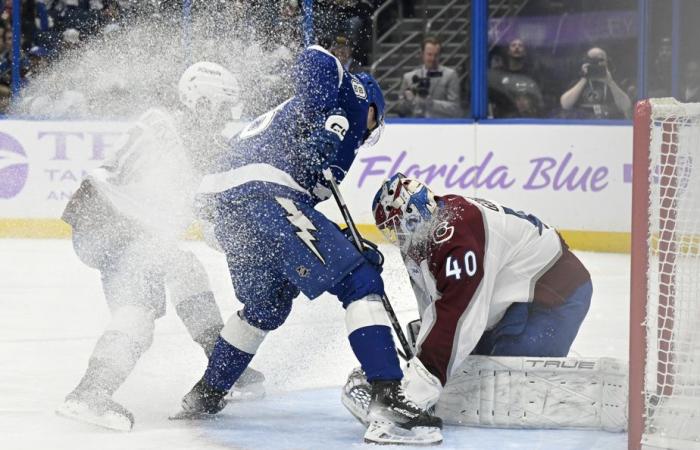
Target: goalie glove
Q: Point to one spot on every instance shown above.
(421, 386)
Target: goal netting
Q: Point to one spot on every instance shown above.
(665, 303)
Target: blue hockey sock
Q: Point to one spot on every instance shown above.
(226, 364)
(374, 348)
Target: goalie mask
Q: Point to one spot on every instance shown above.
(206, 88)
(403, 210)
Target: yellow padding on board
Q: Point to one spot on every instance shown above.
(595, 241)
(34, 228)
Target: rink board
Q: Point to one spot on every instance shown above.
(576, 178)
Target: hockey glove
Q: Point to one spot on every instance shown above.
(370, 251)
(326, 141)
(421, 386)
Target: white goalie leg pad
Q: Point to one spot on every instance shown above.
(535, 392)
(420, 386)
(243, 335)
(365, 312)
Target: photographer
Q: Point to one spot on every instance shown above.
(431, 90)
(596, 95)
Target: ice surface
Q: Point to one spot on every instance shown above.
(52, 311)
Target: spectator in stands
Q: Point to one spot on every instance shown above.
(690, 91)
(596, 95)
(342, 50)
(659, 73)
(38, 62)
(111, 17)
(289, 25)
(70, 40)
(513, 87)
(431, 90)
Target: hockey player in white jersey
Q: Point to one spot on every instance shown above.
(493, 282)
(127, 217)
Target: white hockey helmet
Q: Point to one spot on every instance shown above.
(208, 86)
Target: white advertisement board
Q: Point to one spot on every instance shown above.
(42, 163)
(575, 177)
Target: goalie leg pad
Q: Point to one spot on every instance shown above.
(533, 392)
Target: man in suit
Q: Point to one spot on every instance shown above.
(431, 90)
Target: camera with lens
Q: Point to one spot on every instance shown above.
(597, 67)
(421, 85)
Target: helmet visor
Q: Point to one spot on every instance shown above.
(374, 135)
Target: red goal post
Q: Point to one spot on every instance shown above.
(664, 400)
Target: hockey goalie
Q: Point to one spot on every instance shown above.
(501, 299)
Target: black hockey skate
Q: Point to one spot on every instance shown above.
(202, 402)
(393, 419)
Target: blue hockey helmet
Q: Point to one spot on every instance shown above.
(403, 209)
(374, 93)
(375, 97)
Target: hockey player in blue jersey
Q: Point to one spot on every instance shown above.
(277, 245)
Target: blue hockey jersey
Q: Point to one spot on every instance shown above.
(277, 154)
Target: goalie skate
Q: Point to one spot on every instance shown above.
(387, 433)
(356, 395)
(250, 386)
(396, 420)
(98, 410)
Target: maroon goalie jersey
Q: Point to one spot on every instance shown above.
(481, 258)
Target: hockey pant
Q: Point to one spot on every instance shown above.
(528, 329)
(277, 247)
(136, 270)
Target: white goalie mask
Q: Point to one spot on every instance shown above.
(208, 88)
(403, 210)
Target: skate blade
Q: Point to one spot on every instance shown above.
(391, 434)
(192, 415)
(248, 393)
(82, 413)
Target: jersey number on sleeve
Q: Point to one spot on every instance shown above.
(453, 268)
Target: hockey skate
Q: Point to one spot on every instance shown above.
(393, 419)
(97, 409)
(356, 395)
(249, 386)
(202, 402)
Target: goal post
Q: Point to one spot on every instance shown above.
(664, 399)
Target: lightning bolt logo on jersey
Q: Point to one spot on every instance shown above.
(300, 221)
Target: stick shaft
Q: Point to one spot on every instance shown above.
(357, 240)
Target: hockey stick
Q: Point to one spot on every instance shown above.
(357, 240)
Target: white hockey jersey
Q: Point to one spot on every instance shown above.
(482, 257)
(151, 179)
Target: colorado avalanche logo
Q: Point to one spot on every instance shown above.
(13, 166)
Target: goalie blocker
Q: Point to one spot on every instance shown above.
(521, 392)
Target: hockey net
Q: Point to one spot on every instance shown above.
(665, 290)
